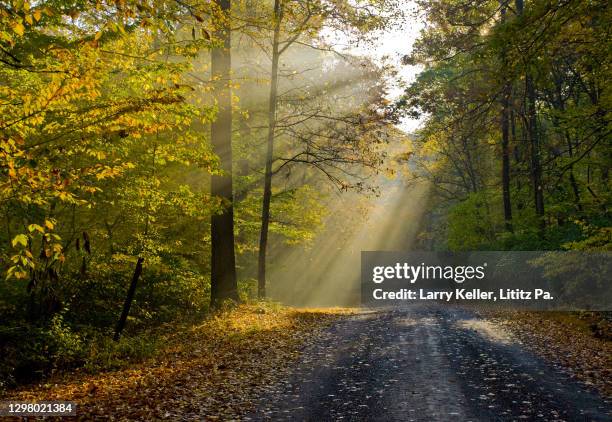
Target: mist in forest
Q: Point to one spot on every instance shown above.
(384, 212)
(327, 272)
(351, 196)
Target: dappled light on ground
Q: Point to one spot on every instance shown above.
(486, 329)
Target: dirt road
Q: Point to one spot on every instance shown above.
(429, 363)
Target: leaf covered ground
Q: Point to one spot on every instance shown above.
(578, 344)
(209, 371)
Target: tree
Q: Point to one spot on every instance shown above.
(223, 258)
(79, 88)
(267, 193)
(306, 18)
(534, 65)
(532, 131)
(505, 133)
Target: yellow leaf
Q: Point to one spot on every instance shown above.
(49, 224)
(29, 19)
(20, 239)
(18, 28)
(37, 15)
(98, 35)
(35, 227)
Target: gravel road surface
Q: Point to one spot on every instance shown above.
(425, 363)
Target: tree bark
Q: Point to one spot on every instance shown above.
(267, 194)
(506, 168)
(534, 150)
(505, 144)
(223, 283)
(534, 142)
(128, 299)
(572, 178)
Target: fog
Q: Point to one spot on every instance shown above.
(327, 272)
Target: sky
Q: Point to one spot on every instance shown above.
(388, 47)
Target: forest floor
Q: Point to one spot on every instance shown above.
(577, 344)
(267, 362)
(215, 368)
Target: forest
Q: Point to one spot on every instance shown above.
(517, 134)
(165, 160)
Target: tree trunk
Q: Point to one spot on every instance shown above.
(534, 142)
(505, 144)
(223, 284)
(267, 194)
(506, 168)
(128, 299)
(572, 178)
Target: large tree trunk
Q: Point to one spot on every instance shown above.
(505, 126)
(267, 194)
(223, 284)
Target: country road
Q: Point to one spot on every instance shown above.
(430, 363)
